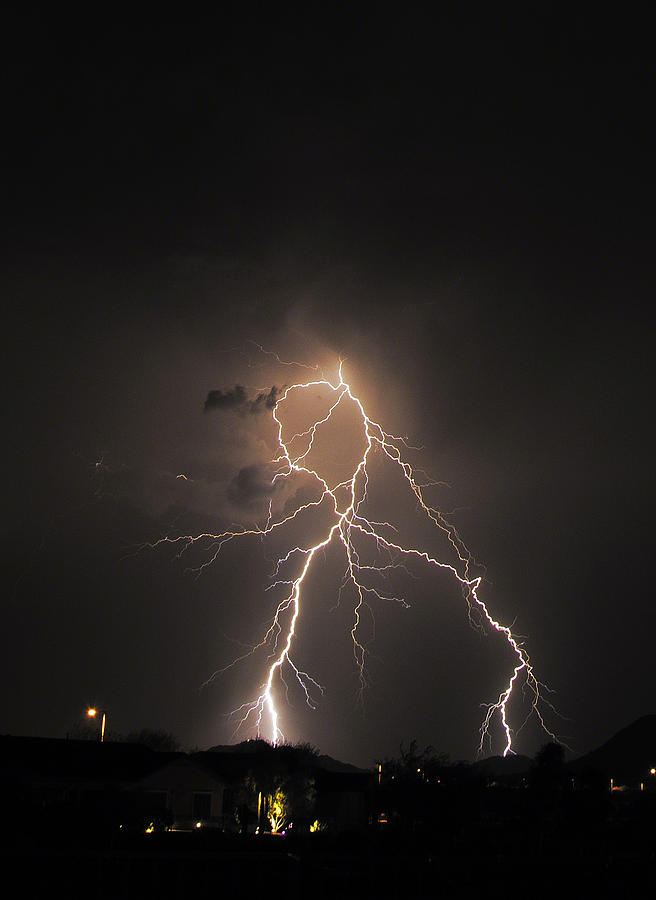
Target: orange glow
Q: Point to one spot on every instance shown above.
(332, 447)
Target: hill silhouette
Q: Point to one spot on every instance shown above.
(627, 757)
(503, 766)
(260, 748)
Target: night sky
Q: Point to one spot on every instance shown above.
(461, 209)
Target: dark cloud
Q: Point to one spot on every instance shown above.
(250, 486)
(265, 401)
(236, 399)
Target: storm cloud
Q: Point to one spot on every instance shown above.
(251, 485)
(237, 399)
(233, 399)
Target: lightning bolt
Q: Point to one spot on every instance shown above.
(349, 527)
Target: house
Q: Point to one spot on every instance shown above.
(88, 788)
(82, 787)
(186, 792)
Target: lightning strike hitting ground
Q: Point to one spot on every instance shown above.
(346, 501)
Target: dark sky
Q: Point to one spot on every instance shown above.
(463, 210)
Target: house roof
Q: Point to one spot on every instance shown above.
(59, 758)
(236, 760)
(54, 758)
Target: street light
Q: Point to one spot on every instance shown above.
(92, 712)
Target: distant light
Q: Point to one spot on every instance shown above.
(652, 771)
(91, 712)
(199, 825)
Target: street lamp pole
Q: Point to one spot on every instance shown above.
(92, 712)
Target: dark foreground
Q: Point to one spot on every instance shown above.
(498, 863)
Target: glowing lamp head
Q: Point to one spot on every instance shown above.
(91, 712)
(652, 771)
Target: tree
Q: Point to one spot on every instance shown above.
(548, 772)
(280, 785)
(549, 783)
(413, 764)
(290, 785)
(410, 785)
(279, 810)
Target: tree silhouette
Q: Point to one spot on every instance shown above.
(548, 773)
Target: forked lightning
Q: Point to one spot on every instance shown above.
(347, 504)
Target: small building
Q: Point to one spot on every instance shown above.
(187, 792)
